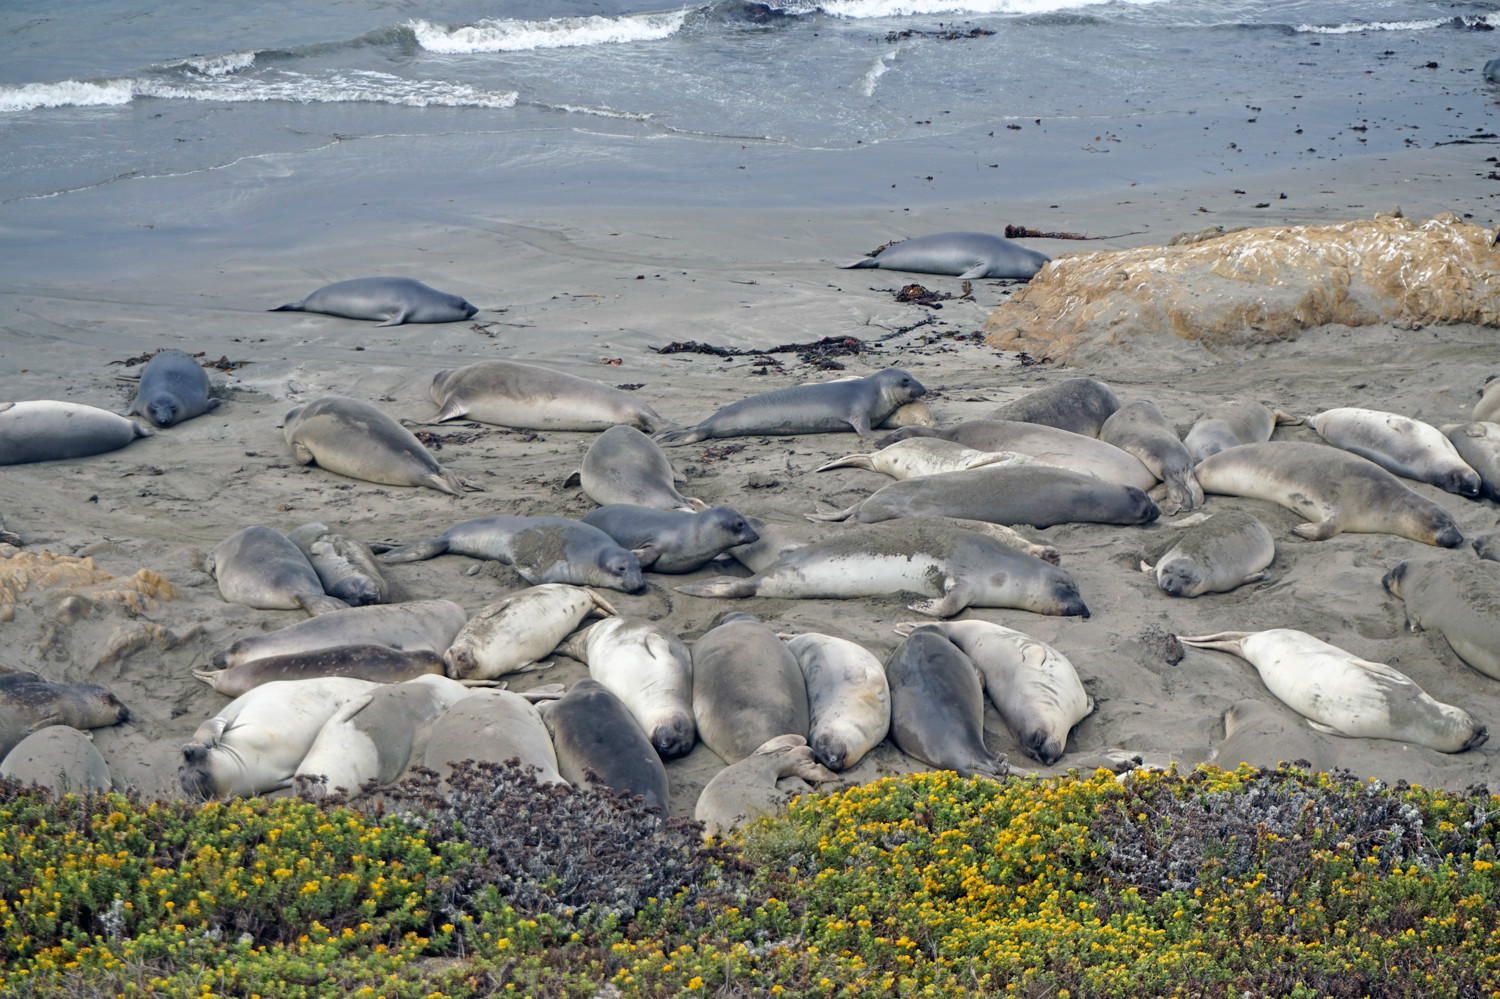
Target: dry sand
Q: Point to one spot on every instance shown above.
(589, 294)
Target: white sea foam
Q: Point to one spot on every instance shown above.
(220, 65)
(499, 35)
(602, 112)
(68, 93)
(877, 69)
(897, 8)
(1354, 27)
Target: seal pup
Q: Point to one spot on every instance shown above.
(542, 550)
(1264, 734)
(1222, 553)
(857, 404)
(174, 387)
(413, 625)
(953, 567)
(937, 707)
(1342, 694)
(623, 465)
(1034, 687)
(345, 566)
(747, 688)
(49, 430)
(650, 670)
(29, 703)
(254, 744)
(1079, 405)
(60, 757)
(261, 568)
(513, 634)
(848, 698)
(913, 414)
(1487, 409)
(745, 791)
(1063, 448)
(968, 256)
(919, 456)
(376, 663)
(511, 394)
(492, 726)
(1139, 428)
(1399, 444)
(353, 438)
(1488, 547)
(1233, 424)
(1336, 490)
(594, 734)
(393, 300)
(1458, 599)
(1478, 444)
(670, 540)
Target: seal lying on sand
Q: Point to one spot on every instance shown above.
(747, 688)
(1459, 599)
(848, 696)
(345, 566)
(649, 670)
(1478, 444)
(60, 757)
(1399, 444)
(623, 465)
(542, 550)
(1139, 428)
(1220, 554)
(593, 732)
(1263, 734)
(492, 726)
(510, 635)
(48, 430)
(261, 568)
(746, 791)
(413, 625)
(672, 541)
(1231, 425)
(1063, 448)
(937, 706)
(353, 438)
(1487, 409)
(1079, 405)
(376, 663)
(394, 300)
(966, 255)
(29, 703)
(917, 456)
(174, 387)
(511, 394)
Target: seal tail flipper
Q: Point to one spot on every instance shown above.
(601, 608)
(905, 433)
(720, 586)
(320, 603)
(1326, 729)
(1222, 641)
(866, 262)
(1280, 418)
(207, 676)
(653, 422)
(849, 461)
(417, 551)
(444, 481)
(288, 307)
(576, 645)
(837, 515)
(698, 506)
(679, 435)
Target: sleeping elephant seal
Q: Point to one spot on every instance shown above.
(1335, 490)
(512, 394)
(745, 791)
(353, 438)
(858, 404)
(1079, 405)
(917, 456)
(1406, 447)
(650, 670)
(1231, 425)
(508, 636)
(1139, 428)
(29, 703)
(60, 757)
(1341, 694)
(1063, 448)
(747, 688)
(393, 300)
(345, 566)
(261, 568)
(937, 707)
(848, 698)
(542, 550)
(1222, 553)
(1487, 409)
(669, 540)
(623, 465)
(1459, 599)
(174, 387)
(1488, 547)
(376, 663)
(593, 732)
(965, 255)
(492, 726)
(48, 430)
(1263, 734)
(412, 625)
(1478, 444)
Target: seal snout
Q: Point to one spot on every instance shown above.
(674, 738)
(1392, 580)
(1448, 537)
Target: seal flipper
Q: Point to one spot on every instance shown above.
(1319, 531)
(301, 454)
(320, 603)
(395, 320)
(454, 407)
(836, 516)
(956, 596)
(417, 551)
(679, 435)
(720, 586)
(975, 272)
(866, 262)
(444, 481)
(849, 461)
(289, 307)
(1327, 729)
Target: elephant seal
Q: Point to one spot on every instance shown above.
(374, 736)
(1231, 425)
(353, 438)
(650, 670)
(1399, 444)
(393, 300)
(1264, 734)
(49, 430)
(1478, 444)
(1459, 599)
(937, 706)
(1033, 686)
(174, 387)
(29, 703)
(256, 742)
(594, 733)
(261, 568)
(747, 688)
(1487, 409)
(1078, 405)
(520, 630)
(965, 255)
(1222, 553)
(345, 566)
(1341, 694)
(414, 625)
(376, 663)
(1488, 547)
(1063, 448)
(955, 568)
(542, 549)
(1139, 428)
(492, 726)
(913, 414)
(59, 757)
(623, 465)
(1336, 490)
(859, 404)
(918, 456)
(669, 540)
(848, 698)
(1492, 71)
(511, 394)
(745, 791)
(1039, 496)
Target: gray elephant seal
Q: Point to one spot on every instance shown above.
(511, 394)
(745, 791)
(623, 465)
(353, 438)
(521, 629)
(59, 757)
(650, 670)
(1488, 547)
(669, 540)
(29, 703)
(1079, 405)
(847, 695)
(917, 456)
(1335, 490)
(747, 688)
(492, 726)
(1264, 734)
(1487, 409)
(966, 255)
(1139, 428)
(1492, 71)
(594, 733)
(345, 566)
(1231, 425)
(1478, 444)
(1341, 694)
(413, 625)
(1459, 600)
(955, 568)
(859, 404)
(542, 550)
(261, 568)
(1224, 552)
(1056, 447)
(1408, 448)
(174, 387)
(376, 663)
(393, 300)
(937, 707)
(48, 430)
